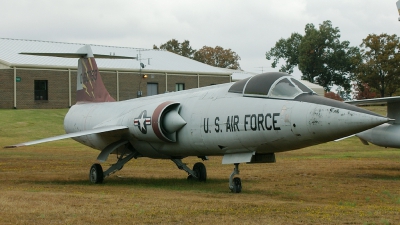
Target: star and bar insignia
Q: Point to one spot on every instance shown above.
(142, 121)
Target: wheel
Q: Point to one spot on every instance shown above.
(237, 185)
(96, 175)
(200, 171)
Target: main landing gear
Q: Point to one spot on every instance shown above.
(96, 174)
(198, 172)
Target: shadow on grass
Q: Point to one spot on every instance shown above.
(378, 172)
(376, 176)
(177, 184)
(382, 167)
(173, 184)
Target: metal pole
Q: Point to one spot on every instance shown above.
(166, 82)
(69, 88)
(117, 86)
(15, 87)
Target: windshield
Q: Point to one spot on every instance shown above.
(284, 89)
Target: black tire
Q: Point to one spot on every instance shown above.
(96, 175)
(237, 185)
(200, 171)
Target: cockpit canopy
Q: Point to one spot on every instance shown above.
(270, 85)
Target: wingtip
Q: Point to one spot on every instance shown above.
(15, 146)
(10, 146)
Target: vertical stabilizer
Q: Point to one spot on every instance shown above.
(90, 86)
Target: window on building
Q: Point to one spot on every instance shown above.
(41, 90)
(179, 86)
(152, 89)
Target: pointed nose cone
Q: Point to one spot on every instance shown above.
(351, 122)
(172, 122)
(327, 119)
(333, 123)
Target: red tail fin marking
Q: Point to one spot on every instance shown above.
(90, 86)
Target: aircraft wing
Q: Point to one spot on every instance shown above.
(393, 105)
(373, 101)
(70, 135)
(341, 139)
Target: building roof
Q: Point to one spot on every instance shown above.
(154, 60)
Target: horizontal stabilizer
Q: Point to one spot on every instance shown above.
(77, 55)
(70, 135)
(83, 52)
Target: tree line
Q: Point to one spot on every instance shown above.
(370, 69)
(218, 56)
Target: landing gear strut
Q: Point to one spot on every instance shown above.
(235, 184)
(199, 171)
(96, 174)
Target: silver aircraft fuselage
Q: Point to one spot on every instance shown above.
(219, 122)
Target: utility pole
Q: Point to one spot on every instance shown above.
(141, 66)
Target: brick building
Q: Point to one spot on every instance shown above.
(28, 81)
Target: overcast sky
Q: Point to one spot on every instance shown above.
(250, 28)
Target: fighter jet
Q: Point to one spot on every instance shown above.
(385, 135)
(245, 122)
(398, 7)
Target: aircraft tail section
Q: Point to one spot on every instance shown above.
(90, 86)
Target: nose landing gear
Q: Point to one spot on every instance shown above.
(235, 184)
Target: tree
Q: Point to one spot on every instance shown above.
(333, 95)
(363, 91)
(380, 66)
(183, 49)
(218, 56)
(319, 55)
(287, 49)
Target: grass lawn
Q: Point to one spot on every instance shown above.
(334, 183)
